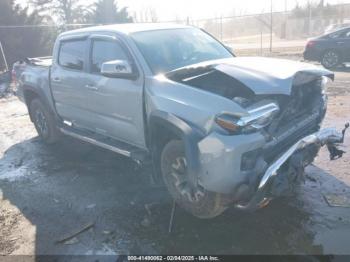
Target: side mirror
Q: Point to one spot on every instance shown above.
(118, 69)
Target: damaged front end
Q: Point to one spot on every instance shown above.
(262, 154)
(289, 167)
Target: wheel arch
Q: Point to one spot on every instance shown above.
(164, 126)
(30, 93)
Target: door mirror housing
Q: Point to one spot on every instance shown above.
(118, 69)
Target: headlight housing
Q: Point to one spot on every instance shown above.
(257, 118)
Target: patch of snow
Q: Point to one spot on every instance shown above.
(106, 250)
(15, 174)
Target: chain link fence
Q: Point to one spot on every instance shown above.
(261, 34)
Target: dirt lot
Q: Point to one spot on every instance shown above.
(47, 193)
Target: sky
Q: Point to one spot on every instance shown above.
(169, 10)
(197, 9)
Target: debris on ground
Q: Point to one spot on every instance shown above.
(149, 207)
(336, 200)
(310, 178)
(71, 241)
(91, 206)
(145, 222)
(74, 234)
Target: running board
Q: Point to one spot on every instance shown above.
(122, 148)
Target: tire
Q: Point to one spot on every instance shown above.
(44, 122)
(197, 201)
(330, 59)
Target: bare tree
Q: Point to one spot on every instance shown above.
(19, 33)
(148, 15)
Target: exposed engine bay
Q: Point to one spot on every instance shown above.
(297, 114)
(292, 116)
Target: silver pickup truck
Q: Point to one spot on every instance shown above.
(219, 130)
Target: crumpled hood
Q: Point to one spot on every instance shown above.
(259, 74)
(270, 75)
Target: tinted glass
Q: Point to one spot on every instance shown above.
(104, 51)
(338, 34)
(72, 54)
(166, 50)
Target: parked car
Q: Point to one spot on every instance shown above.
(334, 27)
(220, 130)
(331, 49)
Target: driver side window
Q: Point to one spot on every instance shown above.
(104, 51)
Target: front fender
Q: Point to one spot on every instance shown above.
(188, 134)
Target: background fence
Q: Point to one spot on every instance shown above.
(257, 34)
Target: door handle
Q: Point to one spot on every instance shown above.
(340, 42)
(91, 87)
(56, 79)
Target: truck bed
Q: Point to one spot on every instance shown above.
(45, 61)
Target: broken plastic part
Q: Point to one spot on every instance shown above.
(334, 152)
(328, 136)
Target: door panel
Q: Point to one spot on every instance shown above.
(116, 104)
(341, 42)
(117, 109)
(68, 82)
(346, 44)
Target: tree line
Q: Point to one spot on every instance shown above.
(31, 31)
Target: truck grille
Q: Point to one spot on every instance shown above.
(301, 115)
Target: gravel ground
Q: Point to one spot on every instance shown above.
(48, 193)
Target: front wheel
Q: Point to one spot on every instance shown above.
(194, 199)
(44, 122)
(330, 59)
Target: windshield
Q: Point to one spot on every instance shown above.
(169, 49)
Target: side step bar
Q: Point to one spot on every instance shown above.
(112, 145)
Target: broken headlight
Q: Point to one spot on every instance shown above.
(257, 118)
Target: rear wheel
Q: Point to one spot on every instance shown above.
(194, 199)
(44, 122)
(330, 59)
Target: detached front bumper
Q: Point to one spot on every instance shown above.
(328, 136)
(221, 160)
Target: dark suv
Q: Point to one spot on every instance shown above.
(331, 49)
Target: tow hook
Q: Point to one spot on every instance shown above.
(332, 145)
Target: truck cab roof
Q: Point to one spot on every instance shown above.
(127, 29)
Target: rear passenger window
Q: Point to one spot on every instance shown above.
(71, 54)
(104, 51)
